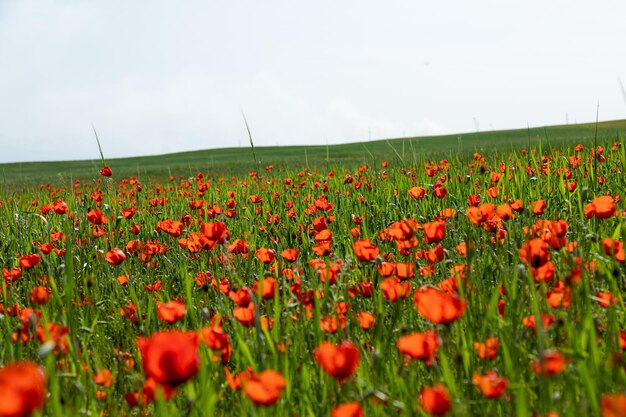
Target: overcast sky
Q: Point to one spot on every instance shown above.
(165, 76)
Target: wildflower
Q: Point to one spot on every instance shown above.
(535, 252)
(422, 346)
(29, 261)
(613, 405)
(171, 357)
(264, 388)
(22, 389)
(106, 171)
(339, 361)
(438, 306)
(217, 340)
(489, 349)
(171, 312)
(602, 207)
(365, 250)
(115, 256)
(265, 255)
(550, 363)
(351, 409)
(435, 400)
(290, 255)
(366, 320)
(491, 385)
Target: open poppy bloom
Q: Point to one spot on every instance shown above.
(613, 405)
(491, 385)
(339, 361)
(290, 255)
(438, 306)
(435, 400)
(115, 256)
(170, 357)
(217, 340)
(550, 363)
(417, 192)
(265, 255)
(22, 389)
(29, 261)
(59, 207)
(264, 388)
(435, 231)
(489, 349)
(365, 250)
(602, 207)
(366, 320)
(535, 252)
(422, 346)
(351, 409)
(614, 248)
(393, 289)
(216, 232)
(171, 312)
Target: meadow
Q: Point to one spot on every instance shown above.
(430, 277)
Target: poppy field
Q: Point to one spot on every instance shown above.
(482, 284)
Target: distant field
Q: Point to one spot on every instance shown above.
(233, 161)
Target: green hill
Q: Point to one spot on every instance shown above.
(231, 161)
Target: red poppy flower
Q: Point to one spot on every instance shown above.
(435, 231)
(11, 275)
(264, 388)
(115, 256)
(352, 409)
(290, 255)
(613, 405)
(245, 315)
(40, 295)
(602, 207)
(488, 349)
(59, 207)
(422, 346)
(171, 312)
(265, 255)
(435, 400)
(339, 361)
(550, 363)
(29, 261)
(171, 227)
(438, 306)
(614, 248)
(365, 250)
(216, 232)
(530, 321)
(417, 192)
(106, 171)
(539, 207)
(366, 320)
(95, 216)
(22, 389)
(490, 385)
(535, 252)
(393, 289)
(217, 340)
(170, 357)
(473, 200)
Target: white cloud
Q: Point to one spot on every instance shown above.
(166, 77)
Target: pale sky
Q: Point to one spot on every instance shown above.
(166, 76)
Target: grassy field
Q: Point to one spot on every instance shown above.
(235, 161)
(488, 283)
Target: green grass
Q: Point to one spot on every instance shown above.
(236, 161)
(86, 300)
